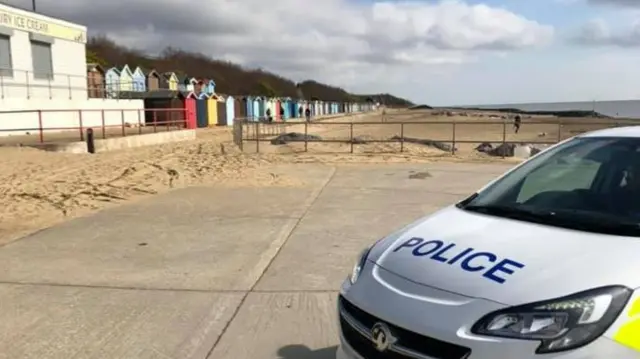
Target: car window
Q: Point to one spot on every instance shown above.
(558, 187)
(567, 174)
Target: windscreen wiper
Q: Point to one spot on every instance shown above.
(568, 218)
(601, 222)
(513, 212)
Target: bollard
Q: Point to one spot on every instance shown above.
(91, 145)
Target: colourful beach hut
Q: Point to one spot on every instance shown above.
(270, 104)
(277, 105)
(258, 108)
(190, 108)
(213, 109)
(202, 109)
(139, 79)
(126, 79)
(248, 108)
(209, 87)
(293, 108)
(285, 105)
(230, 107)
(221, 108)
(112, 82)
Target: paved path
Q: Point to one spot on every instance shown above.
(209, 273)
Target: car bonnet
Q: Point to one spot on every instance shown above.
(507, 261)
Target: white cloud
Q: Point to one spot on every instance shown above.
(362, 46)
(597, 32)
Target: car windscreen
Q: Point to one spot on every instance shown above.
(588, 183)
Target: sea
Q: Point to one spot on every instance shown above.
(624, 109)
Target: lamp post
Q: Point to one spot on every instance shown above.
(33, 5)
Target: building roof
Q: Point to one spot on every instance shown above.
(94, 67)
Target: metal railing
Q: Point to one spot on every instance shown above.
(27, 84)
(551, 131)
(16, 83)
(43, 126)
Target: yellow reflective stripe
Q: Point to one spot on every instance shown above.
(629, 332)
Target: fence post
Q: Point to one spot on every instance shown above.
(81, 125)
(241, 135)
(504, 135)
(453, 138)
(40, 127)
(124, 132)
(139, 122)
(402, 137)
(155, 120)
(559, 129)
(306, 137)
(258, 137)
(351, 136)
(91, 145)
(104, 133)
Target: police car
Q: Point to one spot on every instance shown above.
(543, 262)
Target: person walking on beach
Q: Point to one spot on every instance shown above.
(516, 123)
(281, 113)
(307, 114)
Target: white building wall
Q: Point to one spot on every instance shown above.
(68, 53)
(22, 116)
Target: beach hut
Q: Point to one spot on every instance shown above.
(277, 105)
(325, 108)
(230, 105)
(247, 108)
(300, 107)
(258, 108)
(169, 81)
(285, 104)
(126, 79)
(112, 82)
(317, 108)
(213, 110)
(139, 80)
(209, 87)
(152, 80)
(293, 108)
(202, 110)
(270, 103)
(95, 81)
(222, 110)
(183, 84)
(192, 83)
(239, 108)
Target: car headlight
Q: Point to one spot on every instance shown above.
(357, 268)
(559, 324)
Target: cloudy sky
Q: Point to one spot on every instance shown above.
(435, 52)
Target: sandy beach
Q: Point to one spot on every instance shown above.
(39, 189)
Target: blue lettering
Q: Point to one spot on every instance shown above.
(466, 263)
(416, 250)
(460, 255)
(502, 267)
(438, 255)
(469, 260)
(412, 242)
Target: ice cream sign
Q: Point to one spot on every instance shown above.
(41, 27)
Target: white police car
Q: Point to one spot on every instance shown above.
(544, 262)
